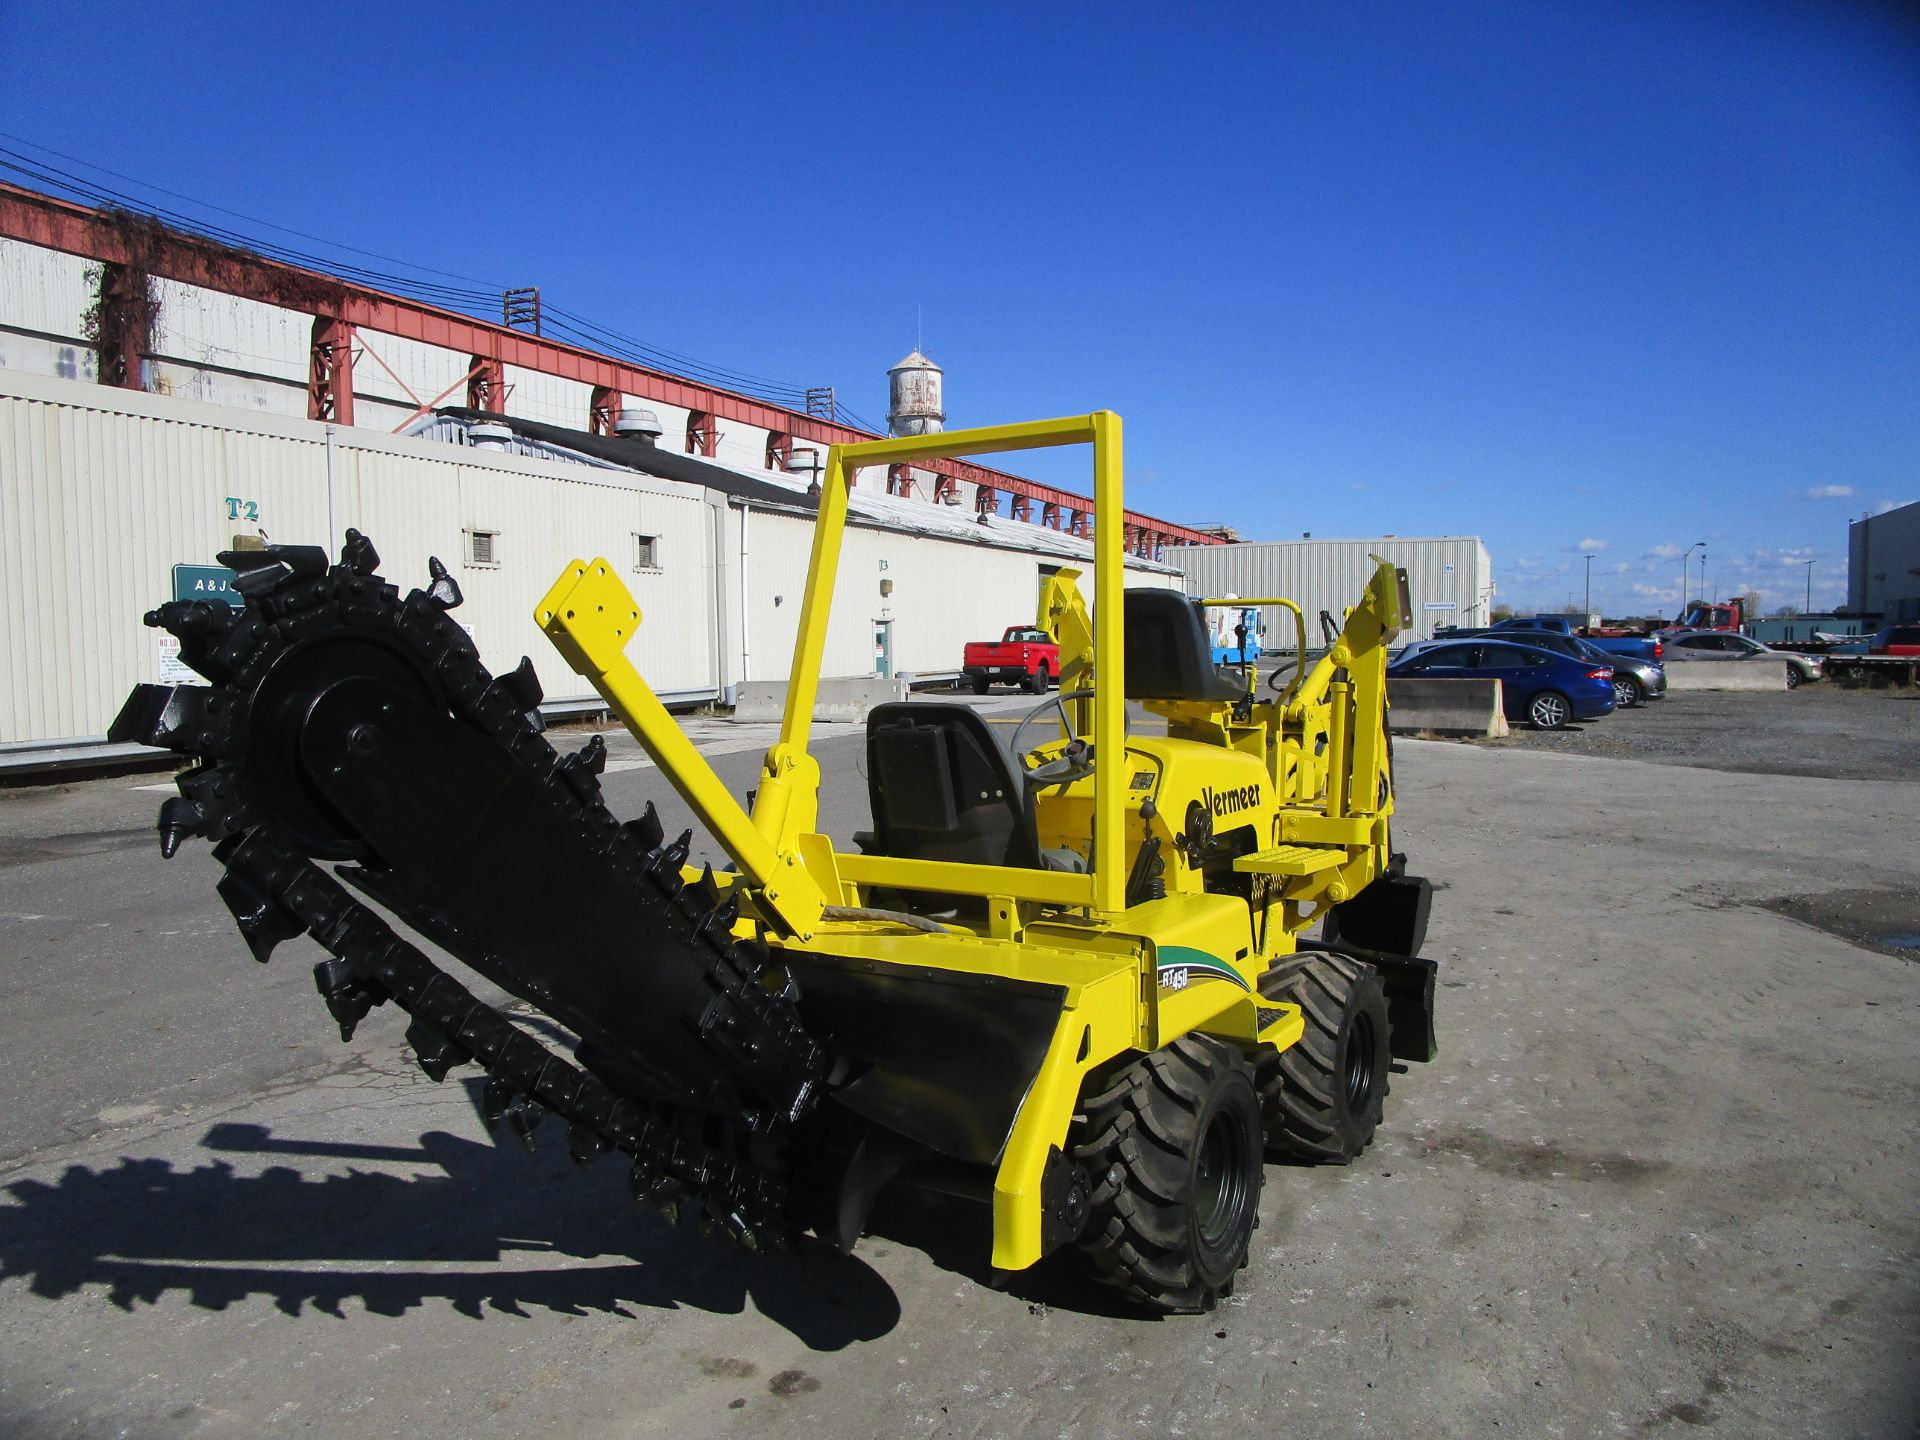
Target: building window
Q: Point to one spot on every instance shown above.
(483, 547)
(646, 552)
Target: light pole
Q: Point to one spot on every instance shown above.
(1685, 556)
(1586, 615)
(1809, 609)
(1703, 572)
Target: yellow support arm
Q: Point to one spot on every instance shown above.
(589, 615)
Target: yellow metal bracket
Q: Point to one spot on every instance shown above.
(590, 617)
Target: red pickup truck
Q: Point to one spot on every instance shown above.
(1023, 655)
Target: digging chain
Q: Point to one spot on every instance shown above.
(275, 892)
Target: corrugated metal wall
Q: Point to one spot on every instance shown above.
(1883, 563)
(43, 295)
(1450, 578)
(943, 595)
(102, 491)
(99, 497)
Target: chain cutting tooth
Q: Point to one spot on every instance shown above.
(704, 894)
(585, 1145)
(521, 685)
(435, 1050)
(442, 589)
(179, 818)
(678, 851)
(495, 1096)
(523, 1116)
(646, 831)
(261, 572)
(264, 922)
(358, 554)
(349, 997)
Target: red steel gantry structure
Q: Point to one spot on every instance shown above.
(341, 308)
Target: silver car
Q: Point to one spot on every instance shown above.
(1723, 645)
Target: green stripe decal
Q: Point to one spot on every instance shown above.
(1181, 965)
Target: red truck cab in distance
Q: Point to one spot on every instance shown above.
(1023, 656)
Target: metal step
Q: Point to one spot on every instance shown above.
(1291, 860)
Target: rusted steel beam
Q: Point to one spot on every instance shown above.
(330, 371)
(115, 239)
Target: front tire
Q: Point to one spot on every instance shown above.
(1321, 1099)
(1794, 678)
(1626, 691)
(1173, 1146)
(1549, 710)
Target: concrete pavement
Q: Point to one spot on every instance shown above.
(1661, 1176)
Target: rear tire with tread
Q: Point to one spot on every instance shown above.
(1172, 1144)
(1321, 1099)
(1549, 710)
(980, 683)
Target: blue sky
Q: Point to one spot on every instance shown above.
(1580, 279)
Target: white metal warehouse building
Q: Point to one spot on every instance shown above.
(103, 491)
(1450, 576)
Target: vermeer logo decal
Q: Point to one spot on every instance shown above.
(1225, 802)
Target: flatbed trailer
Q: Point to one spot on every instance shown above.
(1874, 669)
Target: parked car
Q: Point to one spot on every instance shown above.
(1895, 640)
(1635, 681)
(1720, 645)
(1646, 649)
(1542, 688)
(1023, 656)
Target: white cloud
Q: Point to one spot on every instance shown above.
(1830, 492)
(1665, 552)
(1591, 547)
(1655, 592)
(1357, 486)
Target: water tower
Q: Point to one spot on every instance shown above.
(915, 407)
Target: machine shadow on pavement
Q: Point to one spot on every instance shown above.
(394, 1241)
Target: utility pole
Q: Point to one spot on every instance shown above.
(1809, 609)
(1586, 615)
(1685, 556)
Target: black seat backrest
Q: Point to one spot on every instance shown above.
(1167, 654)
(944, 787)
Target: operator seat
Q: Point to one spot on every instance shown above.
(1167, 654)
(944, 786)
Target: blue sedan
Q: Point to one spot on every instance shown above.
(1542, 688)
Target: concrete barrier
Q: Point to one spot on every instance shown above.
(847, 699)
(1447, 707)
(1726, 675)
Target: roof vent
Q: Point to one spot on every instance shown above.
(490, 435)
(641, 425)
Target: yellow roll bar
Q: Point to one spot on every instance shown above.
(1105, 887)
(591, 616)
